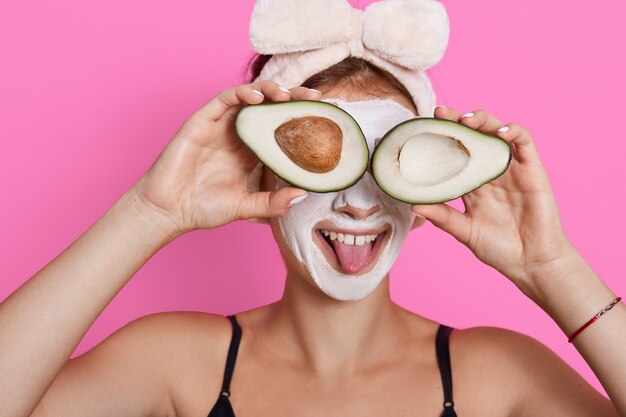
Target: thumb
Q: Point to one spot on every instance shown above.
(271, 203)
(446, 218)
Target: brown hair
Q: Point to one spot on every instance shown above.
(353, 72)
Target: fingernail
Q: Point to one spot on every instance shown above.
(257, 92)
(317, 91)
(470, 114)
(283, 89)
(442, 106)
(298, 199)
(504, 129)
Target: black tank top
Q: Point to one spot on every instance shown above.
(223, 408)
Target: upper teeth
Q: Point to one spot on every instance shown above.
(348, 239)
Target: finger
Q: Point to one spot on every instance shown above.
(252, 93)
(514, 133)
(271, 203)
(446, 218)
(418, 221)
(303, 93)
(448, 113)
(481, 120)
(259, 220)
(254, 178)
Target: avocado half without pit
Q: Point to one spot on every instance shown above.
(312, 145)
(427, 160)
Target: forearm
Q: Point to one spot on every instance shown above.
(43, 321)
(571, 293)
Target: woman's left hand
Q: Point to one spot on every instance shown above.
(511, 223)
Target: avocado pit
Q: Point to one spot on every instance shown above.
(428, 158)
(312, 142)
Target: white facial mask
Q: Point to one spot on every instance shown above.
(376, 117)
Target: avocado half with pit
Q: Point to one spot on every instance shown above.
(428, 160)
(312, 145)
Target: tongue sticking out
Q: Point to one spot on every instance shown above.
(352, 258)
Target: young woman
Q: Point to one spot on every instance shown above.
(307, 353)
(335, 344)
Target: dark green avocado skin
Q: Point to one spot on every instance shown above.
(295, 184)
(456, 124)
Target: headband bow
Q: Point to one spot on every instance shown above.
(410, 33)
(404, 37)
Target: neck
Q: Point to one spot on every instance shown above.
(336, 336)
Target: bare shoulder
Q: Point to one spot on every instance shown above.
(134, 371)
(180, 330)
(528, 377)
(176, 336)
(193, 350)
(191, 347)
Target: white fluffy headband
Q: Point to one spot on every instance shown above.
(404, 37)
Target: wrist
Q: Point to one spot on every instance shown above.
(157, 226)
(541, 277)
(569, 259)
(568, 290)
(573, 298)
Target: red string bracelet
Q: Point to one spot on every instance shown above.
(594, 318)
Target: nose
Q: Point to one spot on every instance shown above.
(360, 200)
(358, 213)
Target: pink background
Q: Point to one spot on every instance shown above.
(92, 91)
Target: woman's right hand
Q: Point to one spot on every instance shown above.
(200, 179)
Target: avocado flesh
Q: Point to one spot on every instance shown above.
(427, 160)
(256, 126)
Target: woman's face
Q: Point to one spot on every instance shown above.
(345, 242)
